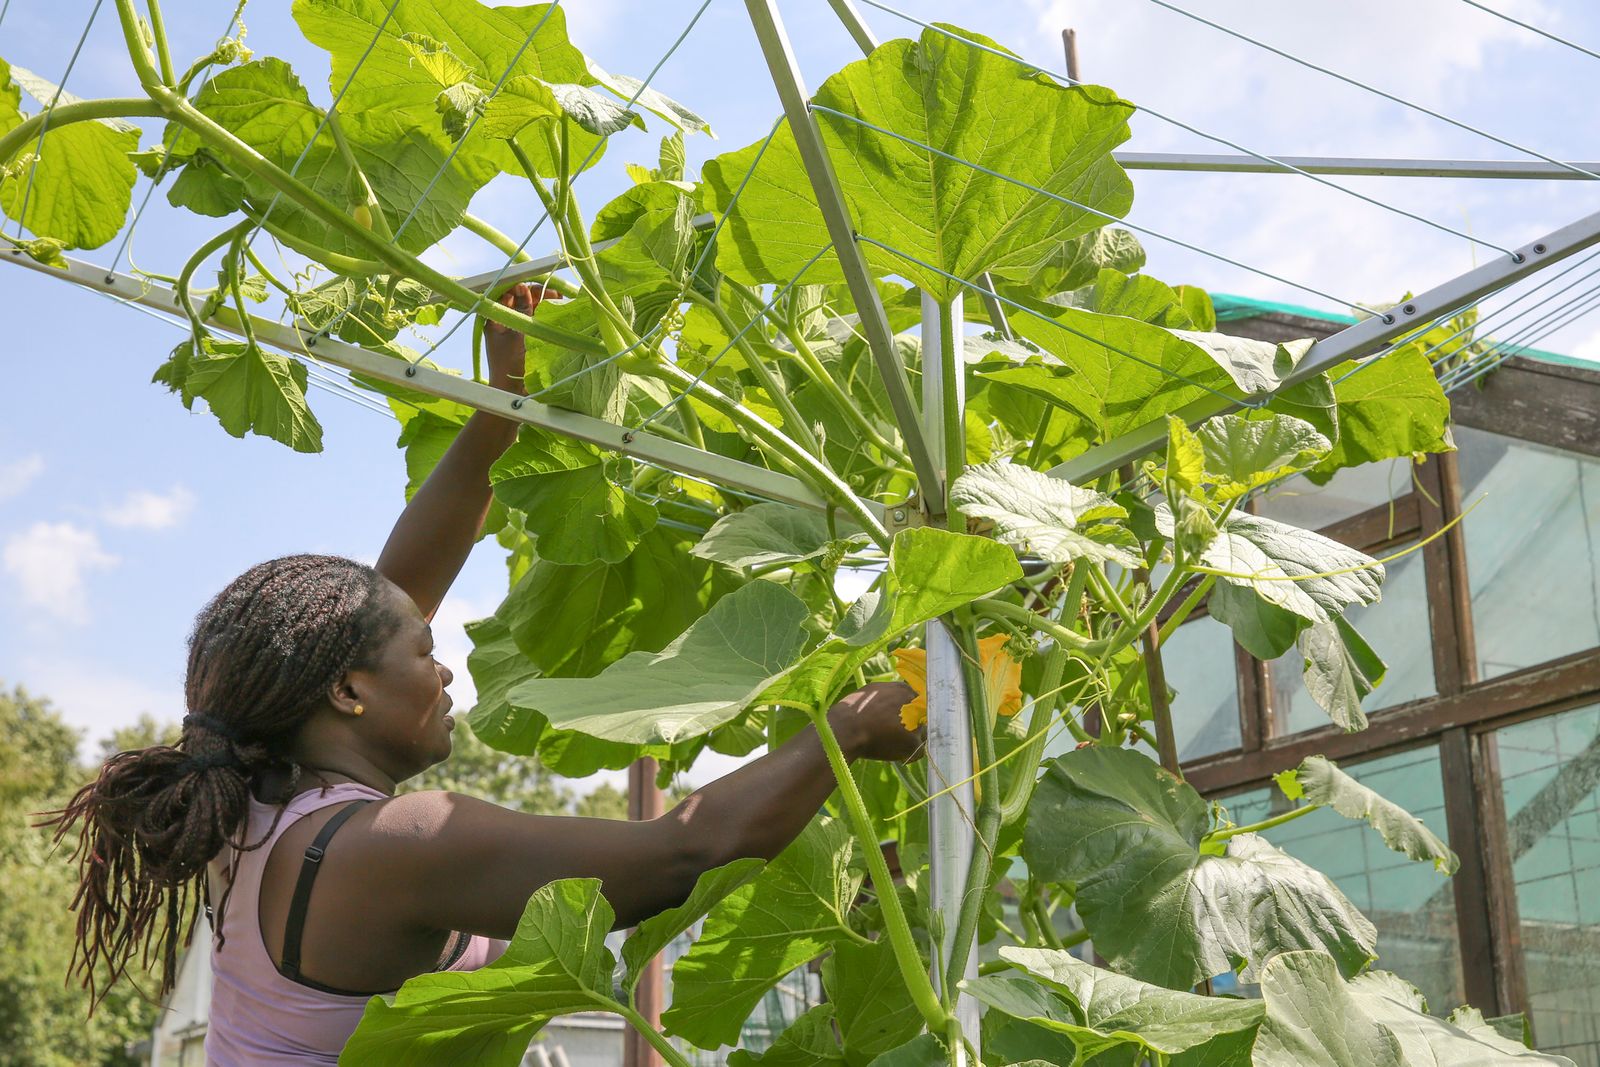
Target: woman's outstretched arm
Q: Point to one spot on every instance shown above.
(456, 863)
(437, 529)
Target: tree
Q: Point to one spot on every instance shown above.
(42, 1017)
(146, 731)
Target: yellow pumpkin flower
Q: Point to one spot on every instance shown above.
(1002, 680)
(911, 664)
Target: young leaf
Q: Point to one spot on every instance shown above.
(791, 913)
(1321, 782)
(700, 681)
(655, 933)
(569, 504)
(1099, 1009)
(1079, 262)
(1127, 834)
(1340, 670)
(557, 963)
(942, 212)
(924, 1050)
(1045, 515)
(765, 535)
(1241, 454)
(82, 178)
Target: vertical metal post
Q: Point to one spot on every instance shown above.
(952, 816)
(645, 803)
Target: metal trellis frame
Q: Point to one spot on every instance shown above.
(717, 469)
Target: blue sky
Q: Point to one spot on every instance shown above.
(120, 513)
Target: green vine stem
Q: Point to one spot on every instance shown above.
(897, 929)
(77, 111)
(955, 436)
(231, 148)
(186, 276)
(380, 222)
(158, 30)
(1186, 609)
(779, 394)
(657, 1039)
(1265, 824)
(765, 433)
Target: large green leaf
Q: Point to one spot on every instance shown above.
(1320, 781)
(791, 913)
(1390, 406)
(497, 665)
(1048, 516)
(931, 571)
(1080, 261)
(1100, 1010)
(1128, 835)
(924, 1050)
(702, 680)
(655, 933)
(80, 184)
(1317, 1019)
(766, 535)
(1303, 572)
(557, 963)
(248, 389)
(963, 102)
(264, 104)
(873, 1008)
(1115, 373)
(808, 1042)
(578, 514)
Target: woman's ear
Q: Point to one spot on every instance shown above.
(345, 696)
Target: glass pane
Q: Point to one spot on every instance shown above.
(1531, 552)
(1349, 492)
(1200, 667)
(1549, 772)
(1411, 904)
(1397, 629)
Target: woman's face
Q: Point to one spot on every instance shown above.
(403, 691)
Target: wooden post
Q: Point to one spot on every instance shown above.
(644, 803)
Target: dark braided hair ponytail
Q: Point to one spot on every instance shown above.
(263, 656)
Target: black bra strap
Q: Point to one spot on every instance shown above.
(295, 927)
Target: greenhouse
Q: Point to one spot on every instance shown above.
(862, 592)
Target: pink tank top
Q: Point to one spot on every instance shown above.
(258, 1017)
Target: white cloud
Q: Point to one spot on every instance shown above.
(16, 476)
(50, 563)
(146, 510)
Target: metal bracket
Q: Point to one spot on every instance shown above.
(905, 516)
(709, 466)
(1354, 342)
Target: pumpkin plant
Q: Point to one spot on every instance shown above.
(652, 614)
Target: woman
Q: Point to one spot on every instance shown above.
(313, 692)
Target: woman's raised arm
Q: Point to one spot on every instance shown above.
(437, 529)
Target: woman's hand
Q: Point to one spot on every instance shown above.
(867, 723)
(507, 350)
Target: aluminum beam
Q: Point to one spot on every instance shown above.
(768, 24)
(1353, 342)
(1225, 163)
(717, 469)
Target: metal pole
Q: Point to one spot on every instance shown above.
(1354, 342)
(1225, 163)
(952, 816)
(1069, 42)
(645, 802)
(707, 466)
(768, 24)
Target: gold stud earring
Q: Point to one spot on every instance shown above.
(358, 710)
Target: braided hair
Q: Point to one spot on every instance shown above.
(263, 656)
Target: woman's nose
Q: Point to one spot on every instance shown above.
(446, 674)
